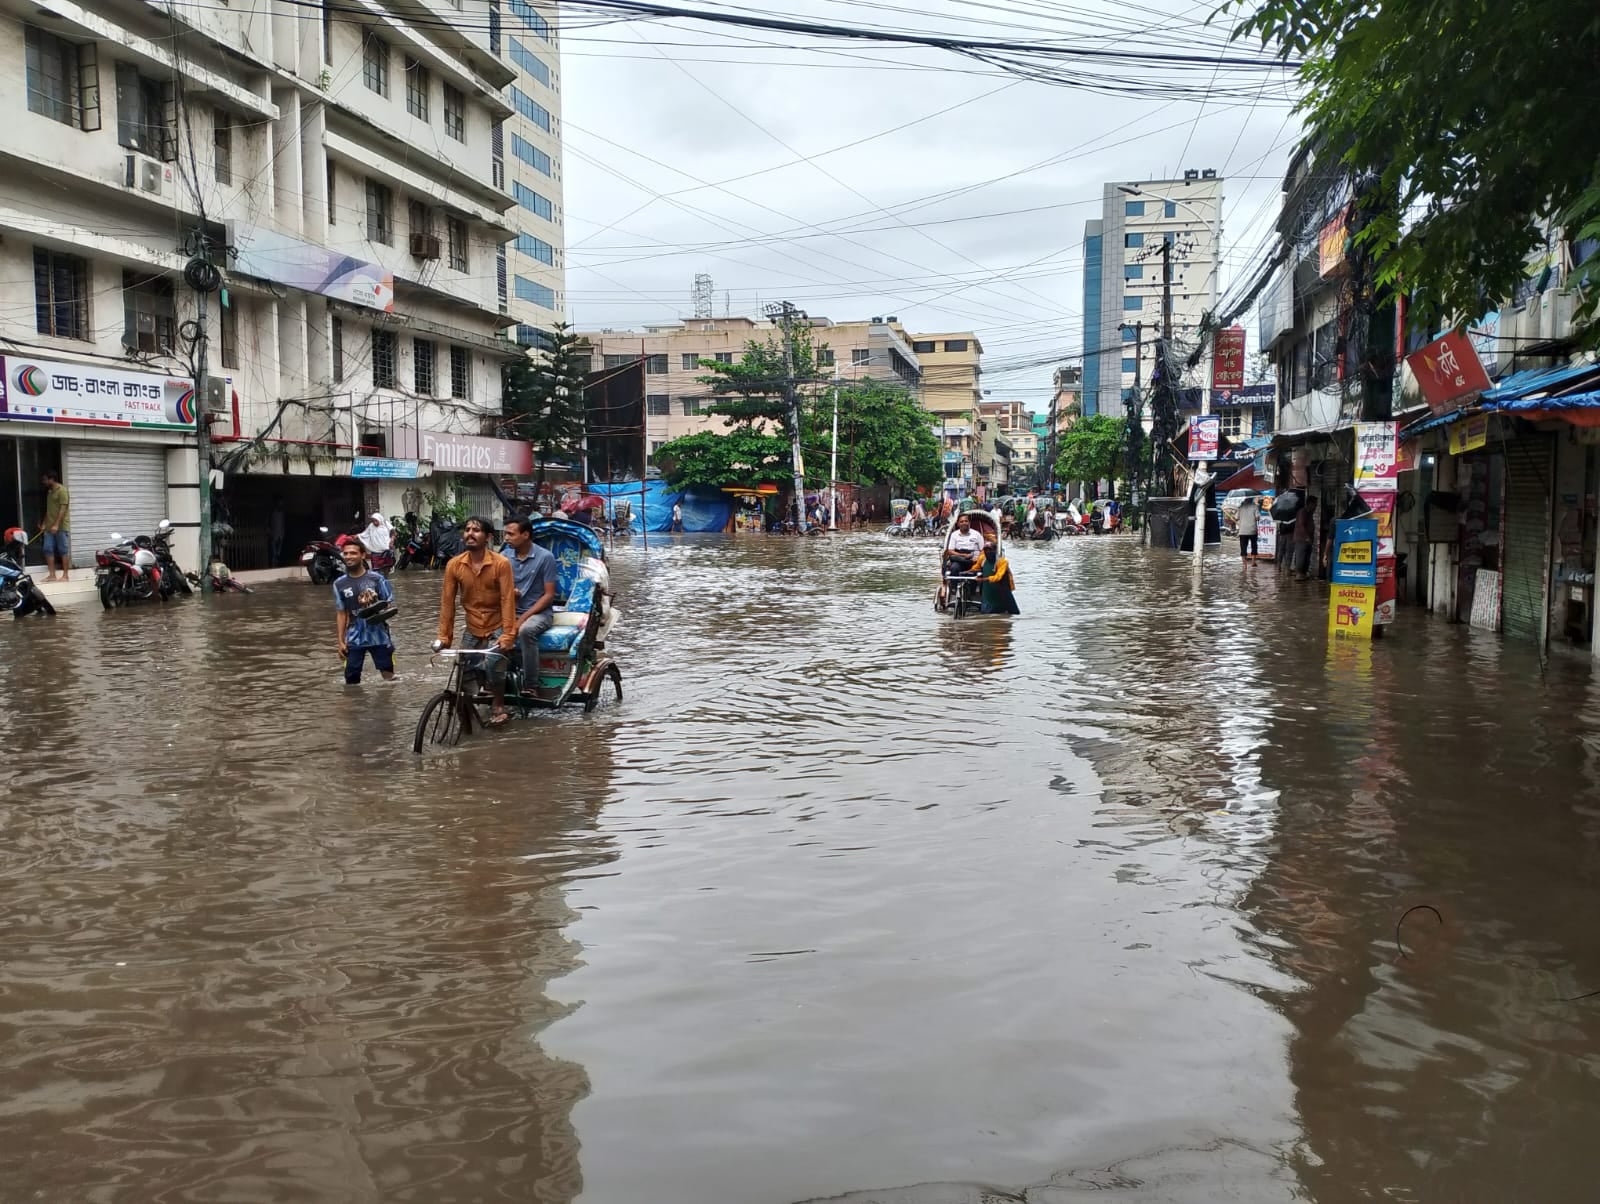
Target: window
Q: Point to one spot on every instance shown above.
(532, 336)
(380, 213)
(955, 345)
(1132, 208)
(61, 294)
(1133, 240)
(1300, 378)
(417, 87)
(455, 230)
(497, 154)
(538, 294)
(619, 361)
(420, 218)
(658, 405)
(1233, 424)
(146, 113)
(691, 361)
(531, 155)
(656, 365)
(655, 446)
(336, 349)
(530, 108)
(824, 357)
(1325, 355)
(530, 17)
(536, 248)
(333, 204)
(726, 357)
(460, 373)
(1170, 209)
(925, 347)
(228, 329)
(861, 355)
(455, 113)
(494, 28)
(691, 406)
(63, 83)
(1129, 334)
(375, 64)
(424, 356)
(384, 354)
(1132, 303)
(531, 201)
(501, 275)
(149, 312)
(222, 145)
(1133, 271)
(1130, 364)
(529, 61)
(583, 364)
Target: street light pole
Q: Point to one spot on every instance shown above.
(833, 466)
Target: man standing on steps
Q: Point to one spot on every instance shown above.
(482, 580)
(57, 523)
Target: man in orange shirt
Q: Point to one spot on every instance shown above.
(482, 579)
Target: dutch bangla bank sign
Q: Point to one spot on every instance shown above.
(34, 390)
(466, 453)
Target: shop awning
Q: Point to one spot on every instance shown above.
(1311, 434)
(1570, 394)
(1248, 477)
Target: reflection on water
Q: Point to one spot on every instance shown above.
(847, 901)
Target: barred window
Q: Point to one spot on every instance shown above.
(61, 294)
(455, 113)
(375, 64)
(383, 358)
(418, 82)
(658, 405)
(150, 313)
(456, 235)
(380, 213)
(424, 355)
(460, 373)
(222, 146)
(336, 348)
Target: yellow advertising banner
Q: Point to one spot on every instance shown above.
(1350, 611)
(1355, 553)
(1469, 434)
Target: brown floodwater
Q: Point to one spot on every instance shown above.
(845, 901)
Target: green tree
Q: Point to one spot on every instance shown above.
(884, 436)
(1467, 117)
(1091, 449)
(542, 397)
(741, 457)
(750, 393)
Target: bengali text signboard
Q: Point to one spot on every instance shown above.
(1448, 371)
(1227, 364)
(35, 390)
(1205, 436)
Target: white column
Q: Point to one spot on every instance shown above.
(183, 507)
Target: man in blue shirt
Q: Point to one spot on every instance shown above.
(358, 589)
(535, 571)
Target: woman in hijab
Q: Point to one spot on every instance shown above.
(998, 583)
(379, 535)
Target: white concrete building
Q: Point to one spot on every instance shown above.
(347, 170)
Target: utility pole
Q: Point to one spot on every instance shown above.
(203, 277)
(833, 467)
(786, 315)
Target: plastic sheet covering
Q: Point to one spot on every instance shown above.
(703, 510)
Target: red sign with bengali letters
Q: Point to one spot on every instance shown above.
(1448, 371)
(1227, 364)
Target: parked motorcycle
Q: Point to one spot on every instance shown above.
(173, 579)
(322, 560)
(417, 549)
(129, 571)
(19, 592)
(447, 541)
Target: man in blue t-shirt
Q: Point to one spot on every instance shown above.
(358, 589)
(535, 571)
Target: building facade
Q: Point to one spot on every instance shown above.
(533, 273)
(359, 326)
(1124, 282)
(952, 372)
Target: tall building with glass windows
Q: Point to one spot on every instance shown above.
(1122, 279)
(532, 269)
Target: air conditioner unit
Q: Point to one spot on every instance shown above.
(145, 174)
(425, 246)
(218, 395)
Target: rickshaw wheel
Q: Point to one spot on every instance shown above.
(440, 725)
(959, 604)
(592, 699)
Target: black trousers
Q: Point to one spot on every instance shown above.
(1247, 545)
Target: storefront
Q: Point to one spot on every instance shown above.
(121, 440)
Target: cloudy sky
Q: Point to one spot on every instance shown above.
(860, 179)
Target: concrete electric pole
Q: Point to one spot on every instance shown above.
(786, 315)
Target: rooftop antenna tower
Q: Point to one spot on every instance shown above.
(704, 296)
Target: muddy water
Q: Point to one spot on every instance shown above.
(845, 901)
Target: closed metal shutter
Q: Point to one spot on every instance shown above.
(1524, 606)
(480, 499)
(113, 488)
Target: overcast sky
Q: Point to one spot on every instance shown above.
(862, 180)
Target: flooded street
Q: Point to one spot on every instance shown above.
(845, 901)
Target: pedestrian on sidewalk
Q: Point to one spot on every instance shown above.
(1245, 525)
(359, 588)
(56, 526)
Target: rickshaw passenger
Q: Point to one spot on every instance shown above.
(535, 572)
(965, 548)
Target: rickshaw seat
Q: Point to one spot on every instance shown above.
(559, 639)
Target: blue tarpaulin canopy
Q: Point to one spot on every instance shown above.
(1535, 391)
(703, 509)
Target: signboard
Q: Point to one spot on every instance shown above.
(1448, 371)
(1381, 503)
(382, 469)
(1355, 552)
(1205, 435)
(1377, 455)
(1266, 536)
(33, 390)
(1227, 360)
(466, 453)
(284, 259)
(1245, 395)
(1331, 243)
(1350, 611)
(1384, 601)
(1469, 434)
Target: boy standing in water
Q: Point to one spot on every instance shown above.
(359, 588)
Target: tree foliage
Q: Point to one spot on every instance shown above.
(542, 397)
(749, 393)
(1468, 117)
(740, 457)
(1091, 449)
(885, 436)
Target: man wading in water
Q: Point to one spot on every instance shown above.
(488, 592)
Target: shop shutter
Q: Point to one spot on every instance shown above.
(1524, 606)
(113, 488)
(480, 499)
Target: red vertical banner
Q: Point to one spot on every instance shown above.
(1227, 363)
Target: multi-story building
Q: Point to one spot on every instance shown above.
(952, 369)
(343, 174)
(675, 358)
(1123, 278)
(529, 146)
